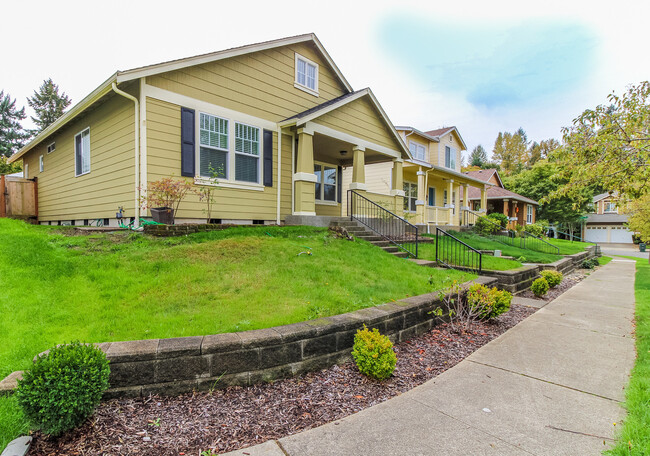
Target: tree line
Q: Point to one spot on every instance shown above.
(48, 105)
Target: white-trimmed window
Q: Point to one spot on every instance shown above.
(51, 148)
(529, 213)
(326, 182)
(247, 153)
(610, 207)
(417, 150)
(213, 146)
(450, 158)
(410, 196)
(26, 171)
(40, 164)
(306, 75)
(82, 152)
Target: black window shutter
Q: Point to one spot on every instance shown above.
(268, 158)
(187, 142)
(339, 184)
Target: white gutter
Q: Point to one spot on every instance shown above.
(136, 206)
(277, 215)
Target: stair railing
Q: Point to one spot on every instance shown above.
(453, 253)
(391, 227)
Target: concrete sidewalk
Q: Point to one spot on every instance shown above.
(549, 386)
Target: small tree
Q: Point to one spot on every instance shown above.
(208, 193)
(48, 104)
(12, 135)
(166, 192)
(478, 157)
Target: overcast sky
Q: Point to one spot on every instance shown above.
(484, 66)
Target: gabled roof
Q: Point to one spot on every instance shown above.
(485, 175)
(443, 131)
(418, 132)
(499, 193)
(606, 218)
(602, 196)
(331, 105)
(135, 73)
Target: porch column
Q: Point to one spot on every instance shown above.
(483, 199)
(358, 169)
(506, 211)
(304, 177)
(450, 202)
(420, 208)
(397, 187)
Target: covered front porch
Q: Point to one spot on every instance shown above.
(519, 213)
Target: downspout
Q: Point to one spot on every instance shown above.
(137, 151)
(279, 173)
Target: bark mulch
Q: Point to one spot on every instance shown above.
(236, 417)
(569, 280)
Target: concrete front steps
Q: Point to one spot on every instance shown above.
(361, 232)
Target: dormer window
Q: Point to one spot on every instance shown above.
(306, 75)
(417, 151)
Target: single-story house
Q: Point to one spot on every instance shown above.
(277, 119)
(519, 209)
(607, 223)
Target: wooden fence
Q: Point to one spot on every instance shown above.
(19, 198)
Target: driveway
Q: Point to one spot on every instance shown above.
(623, 249)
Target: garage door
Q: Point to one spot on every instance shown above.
(620, 234)
(596, 234)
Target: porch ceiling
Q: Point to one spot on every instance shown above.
(329, 150)
(444, 174)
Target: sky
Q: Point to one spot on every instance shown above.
(483, 67)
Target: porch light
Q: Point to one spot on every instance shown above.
(343, 153)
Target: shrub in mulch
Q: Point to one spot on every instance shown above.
(236, 417)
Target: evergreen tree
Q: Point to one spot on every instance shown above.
(542, 150)
(48, 104)
(478, 157)
(511, 151)
(12, 135)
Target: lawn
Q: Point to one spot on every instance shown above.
(634, 437)
(428, 252)
(58, 288)
(569, 247)
(522, 255)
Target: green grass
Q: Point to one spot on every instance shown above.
(481, 243)
(428, 252)
(125, 286)
(603, 260)
(634, 437)
(569, 247)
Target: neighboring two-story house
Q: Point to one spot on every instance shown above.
(277, 120)
(435, 191)
(608, 222)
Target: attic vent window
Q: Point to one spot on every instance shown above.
(306, 75)
(51, 148)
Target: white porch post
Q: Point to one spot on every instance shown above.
(420, 216)
(483, 199)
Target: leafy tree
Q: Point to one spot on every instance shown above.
(609, 146)
(6, 168)
(540, 151)
(511, 151)
(639, 217)
(48, 104)
(542, 180)
(478, 157)
(12, 134)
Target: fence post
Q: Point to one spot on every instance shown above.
(3, 202)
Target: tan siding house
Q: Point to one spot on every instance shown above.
(277, 120)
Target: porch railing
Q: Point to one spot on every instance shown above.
(455, 254)
(468, 218)
(391, 227)
(439, 215)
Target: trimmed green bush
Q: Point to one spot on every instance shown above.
(500, 218)
(61, 390)
(539, 287)
(536, 229)
(488, 302)
(485, 226)
(590, 263)
(553, 278)
(373, 353)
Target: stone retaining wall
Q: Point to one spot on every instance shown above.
(179, 365)
(181, 230)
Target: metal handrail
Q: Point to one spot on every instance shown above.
(554, 247)
(572, 237)
(456, 254)
(390, 226)
(496, 237)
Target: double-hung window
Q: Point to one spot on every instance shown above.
(325, 188)
(529, 213)
(306, 75)
(410, 196)
(450, 158)
(247, 153)
(82, 152)
(417, 150)
(213, 139)
(51, 148)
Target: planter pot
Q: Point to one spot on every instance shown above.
(162, 215)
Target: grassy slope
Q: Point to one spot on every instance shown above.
(569, 247)
(58, 288)
(428, 252)
(634, 437)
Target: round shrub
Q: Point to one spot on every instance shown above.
(488, 302)
(484, 227)
(590, 263)
(373, 353)
(553, 278)
(536, 229)
(61, 390)
(499, 218)
(539, 287)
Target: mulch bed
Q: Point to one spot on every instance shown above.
(569, 280)
(236, 417)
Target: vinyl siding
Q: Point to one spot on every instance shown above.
(328, 210)
(359, 118)
(164, 159)
(259, 84)
(110, 183)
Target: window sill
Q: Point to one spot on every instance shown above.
(326, 203)
(82, 174)
(306, 89)
(228, 184)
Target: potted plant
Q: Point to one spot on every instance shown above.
(163, 198)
